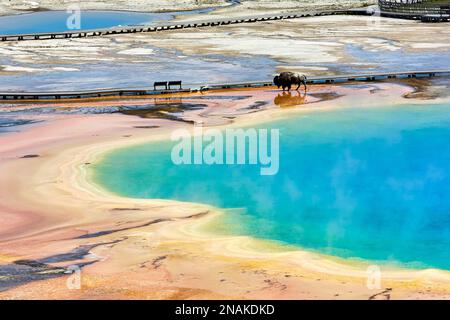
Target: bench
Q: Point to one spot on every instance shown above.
(160, 84)
(174, 83)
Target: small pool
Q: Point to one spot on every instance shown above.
(8, 124)
(59, 21)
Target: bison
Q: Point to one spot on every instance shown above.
(286, 79)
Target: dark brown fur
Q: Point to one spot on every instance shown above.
(287, 79)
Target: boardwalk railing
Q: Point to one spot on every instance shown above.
(435, 11)
(178, 25)
(128, 92)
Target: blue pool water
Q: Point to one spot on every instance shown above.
(56, 21)
(365, 183)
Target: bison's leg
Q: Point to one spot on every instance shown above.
(289, 87)
(304, 83)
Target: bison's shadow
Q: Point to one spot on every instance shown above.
(287, 99)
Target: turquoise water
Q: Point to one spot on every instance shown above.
(56, 21)
(366, 183)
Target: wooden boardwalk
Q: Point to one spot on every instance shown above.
(149, 91)
(178, 25)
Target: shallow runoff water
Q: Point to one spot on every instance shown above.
(363, 183)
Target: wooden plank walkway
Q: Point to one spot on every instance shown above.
(130, 92)
(179, 25)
